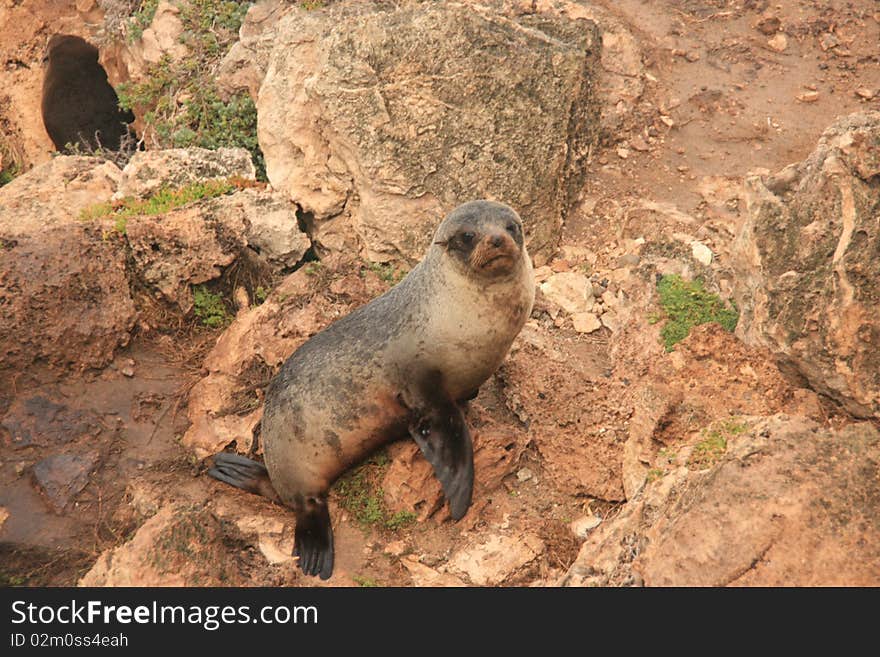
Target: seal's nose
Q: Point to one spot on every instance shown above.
(497, 241)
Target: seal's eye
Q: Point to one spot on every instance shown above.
(512, 228)
(467, 238)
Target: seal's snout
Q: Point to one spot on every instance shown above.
(496, 253)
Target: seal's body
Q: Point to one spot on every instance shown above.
(79, 106)
(400, 364)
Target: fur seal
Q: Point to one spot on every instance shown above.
(79, 106)
(401, 364)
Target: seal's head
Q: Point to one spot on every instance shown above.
(482, 238)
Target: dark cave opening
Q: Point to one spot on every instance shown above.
(80, 108)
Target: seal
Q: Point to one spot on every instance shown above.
(79, 106)
(402, 364)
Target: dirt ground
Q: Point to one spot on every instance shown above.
(720, 101)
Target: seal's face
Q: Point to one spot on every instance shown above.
(484, 238)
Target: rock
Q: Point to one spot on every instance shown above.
(70, 312)
(803, 270)
(395, 548)
(410, 484)
(149, 171)
(653, 406)
(162, 38)
(701, 253)
(778, 43)
(244, 66)
(182, 545)
(524, 474)
(585, 322)
(570, 290)
(423, 575)
(582, 527)
(4, 514)
(272, 536)
(768, 25)
(376, 148)
(807, 97)
(611, 321)
(492, 561)
(628, 260)
(62, 477)
(41, 422)
(865, 92)
(790, 504)
(273, 229)
(828, 40)
(639, 144)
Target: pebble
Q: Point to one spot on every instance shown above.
(628, 260)
(585, 322)
(701, 253)
(808, 97)
(778, 43)
(583, 526)
(524, 474)
(864, 92)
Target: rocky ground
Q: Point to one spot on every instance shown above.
(745, 458)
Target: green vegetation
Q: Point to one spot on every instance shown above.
(361, 495)
(387, 272)
(179, 101)
(365, 581)
(141, 19)
(712, 447)
(260, 294)
(165, 199)
(313, 268)
(654, 474)
(210, 308)
(10, 172)
(687, 304)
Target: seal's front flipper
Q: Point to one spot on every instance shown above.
(242, 472)
(313, 538)
(443, 437)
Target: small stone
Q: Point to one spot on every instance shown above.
(497, 558)
(808, 97)
(866, 93)
(4, 514)
(701, 253)
(524, 474)
(638, 144)
(692, 56)
(828, 41)
(683, 168)
(778, 43)
(432, 560)
(768, 25)
(582, 526)
(61, 477)
(395, 548)
(628, 260)
(609, 299)
(622, 153)
(569, 290)
(560, 265)
(610, 321)
(667, 121)
(585, 322)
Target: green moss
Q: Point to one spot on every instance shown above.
(654, 474)
(365, 581)
(686, 304)
(141, 19)
(387, 272)
(162, 201)
(260, 294)
(9, 173)
(210, 308)
(712, 447)
(361, 495)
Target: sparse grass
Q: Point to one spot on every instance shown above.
(179, 101)
(210, 308)
(387, 272)
(654, 474)
(313, 268)
(686, 304)
(365, 581)
(712, 447)
(361, 495)
(9, 173)
(162, 201)
(260, 294)
(141, 19)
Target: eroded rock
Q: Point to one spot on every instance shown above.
(805, 265)
(61, 477)
(375, 146)
(493, 560)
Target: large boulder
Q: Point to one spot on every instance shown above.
(790, 503)
(806, 264)
(63, 286)
(378, 119)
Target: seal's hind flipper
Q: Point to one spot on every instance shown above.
(243, 473)
(444, 439)
(313, 539)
